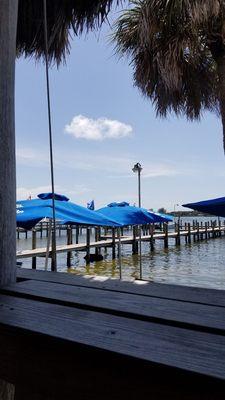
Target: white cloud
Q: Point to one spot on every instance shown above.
(97, 129)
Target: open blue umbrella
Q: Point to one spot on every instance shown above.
(212, 206)
(30, 212)
(125, 214)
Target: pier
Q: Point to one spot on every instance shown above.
(68, 336)
(111, 239)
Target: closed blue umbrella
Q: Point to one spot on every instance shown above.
(212, 206)
(130, 215)
(30, 212)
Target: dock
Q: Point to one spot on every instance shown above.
(187, 233)
(83, 337)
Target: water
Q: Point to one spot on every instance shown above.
(200, 264)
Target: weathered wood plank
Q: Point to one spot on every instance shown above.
(62, 370)
(166, 345)
(168, 311)
(144, 288)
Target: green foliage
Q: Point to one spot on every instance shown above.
(175, 47)
(162, 210)
(63, 17)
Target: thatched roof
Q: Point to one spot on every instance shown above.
(63, 17)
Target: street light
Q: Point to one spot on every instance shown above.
(138, 168)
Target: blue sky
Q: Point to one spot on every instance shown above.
(113, 128)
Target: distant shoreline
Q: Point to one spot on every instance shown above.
(190, 214)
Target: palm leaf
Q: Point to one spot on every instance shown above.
(63, 18)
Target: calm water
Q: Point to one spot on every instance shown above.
(197, 264)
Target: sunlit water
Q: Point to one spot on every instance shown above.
(199, 264)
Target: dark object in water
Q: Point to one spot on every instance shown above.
(19, 263)
(93, 257)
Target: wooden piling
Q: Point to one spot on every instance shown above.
(135, 242)
(165, 229)
(97, 238)
(189, 232)
(88, 237)
(34, 245)
(69, 241)
(151, 227)
(178, 235)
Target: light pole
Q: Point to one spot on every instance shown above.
(138, 168)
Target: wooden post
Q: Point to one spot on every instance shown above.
(97, 238)
(41, 229)
(189, 232)
(165, 228)
(34, 245)
(88, 245)
(8, 24)
(135, 242)
(198, 237)
(206, 230)
(213, 231)
(77, 234)
(69, 241)
(219, 225)
(151, 227)
(178, 235)
(113, 243)
(18, 232)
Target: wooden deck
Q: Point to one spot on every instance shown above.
(65, 337)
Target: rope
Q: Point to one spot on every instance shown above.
(54, 261)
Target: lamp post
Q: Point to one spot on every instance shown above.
(138, 168)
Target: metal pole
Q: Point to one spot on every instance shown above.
(119, 251)
(141, 272)
(139, 188)
(54, 261)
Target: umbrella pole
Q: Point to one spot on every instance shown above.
(119, 252)
(141, 276)
(48, 244)
(54, 259)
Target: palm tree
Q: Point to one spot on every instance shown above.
(22, 33)
(177, 50)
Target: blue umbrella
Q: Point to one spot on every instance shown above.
(212, 207)
(47, 196)
(130, 215)
(30, 212)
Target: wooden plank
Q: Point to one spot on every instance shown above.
(155, 343)
(144, 288)
(166, 311)
(62, 370)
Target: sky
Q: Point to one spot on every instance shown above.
(102, 126)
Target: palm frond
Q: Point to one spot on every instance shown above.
(168, 42)
(63, 16)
